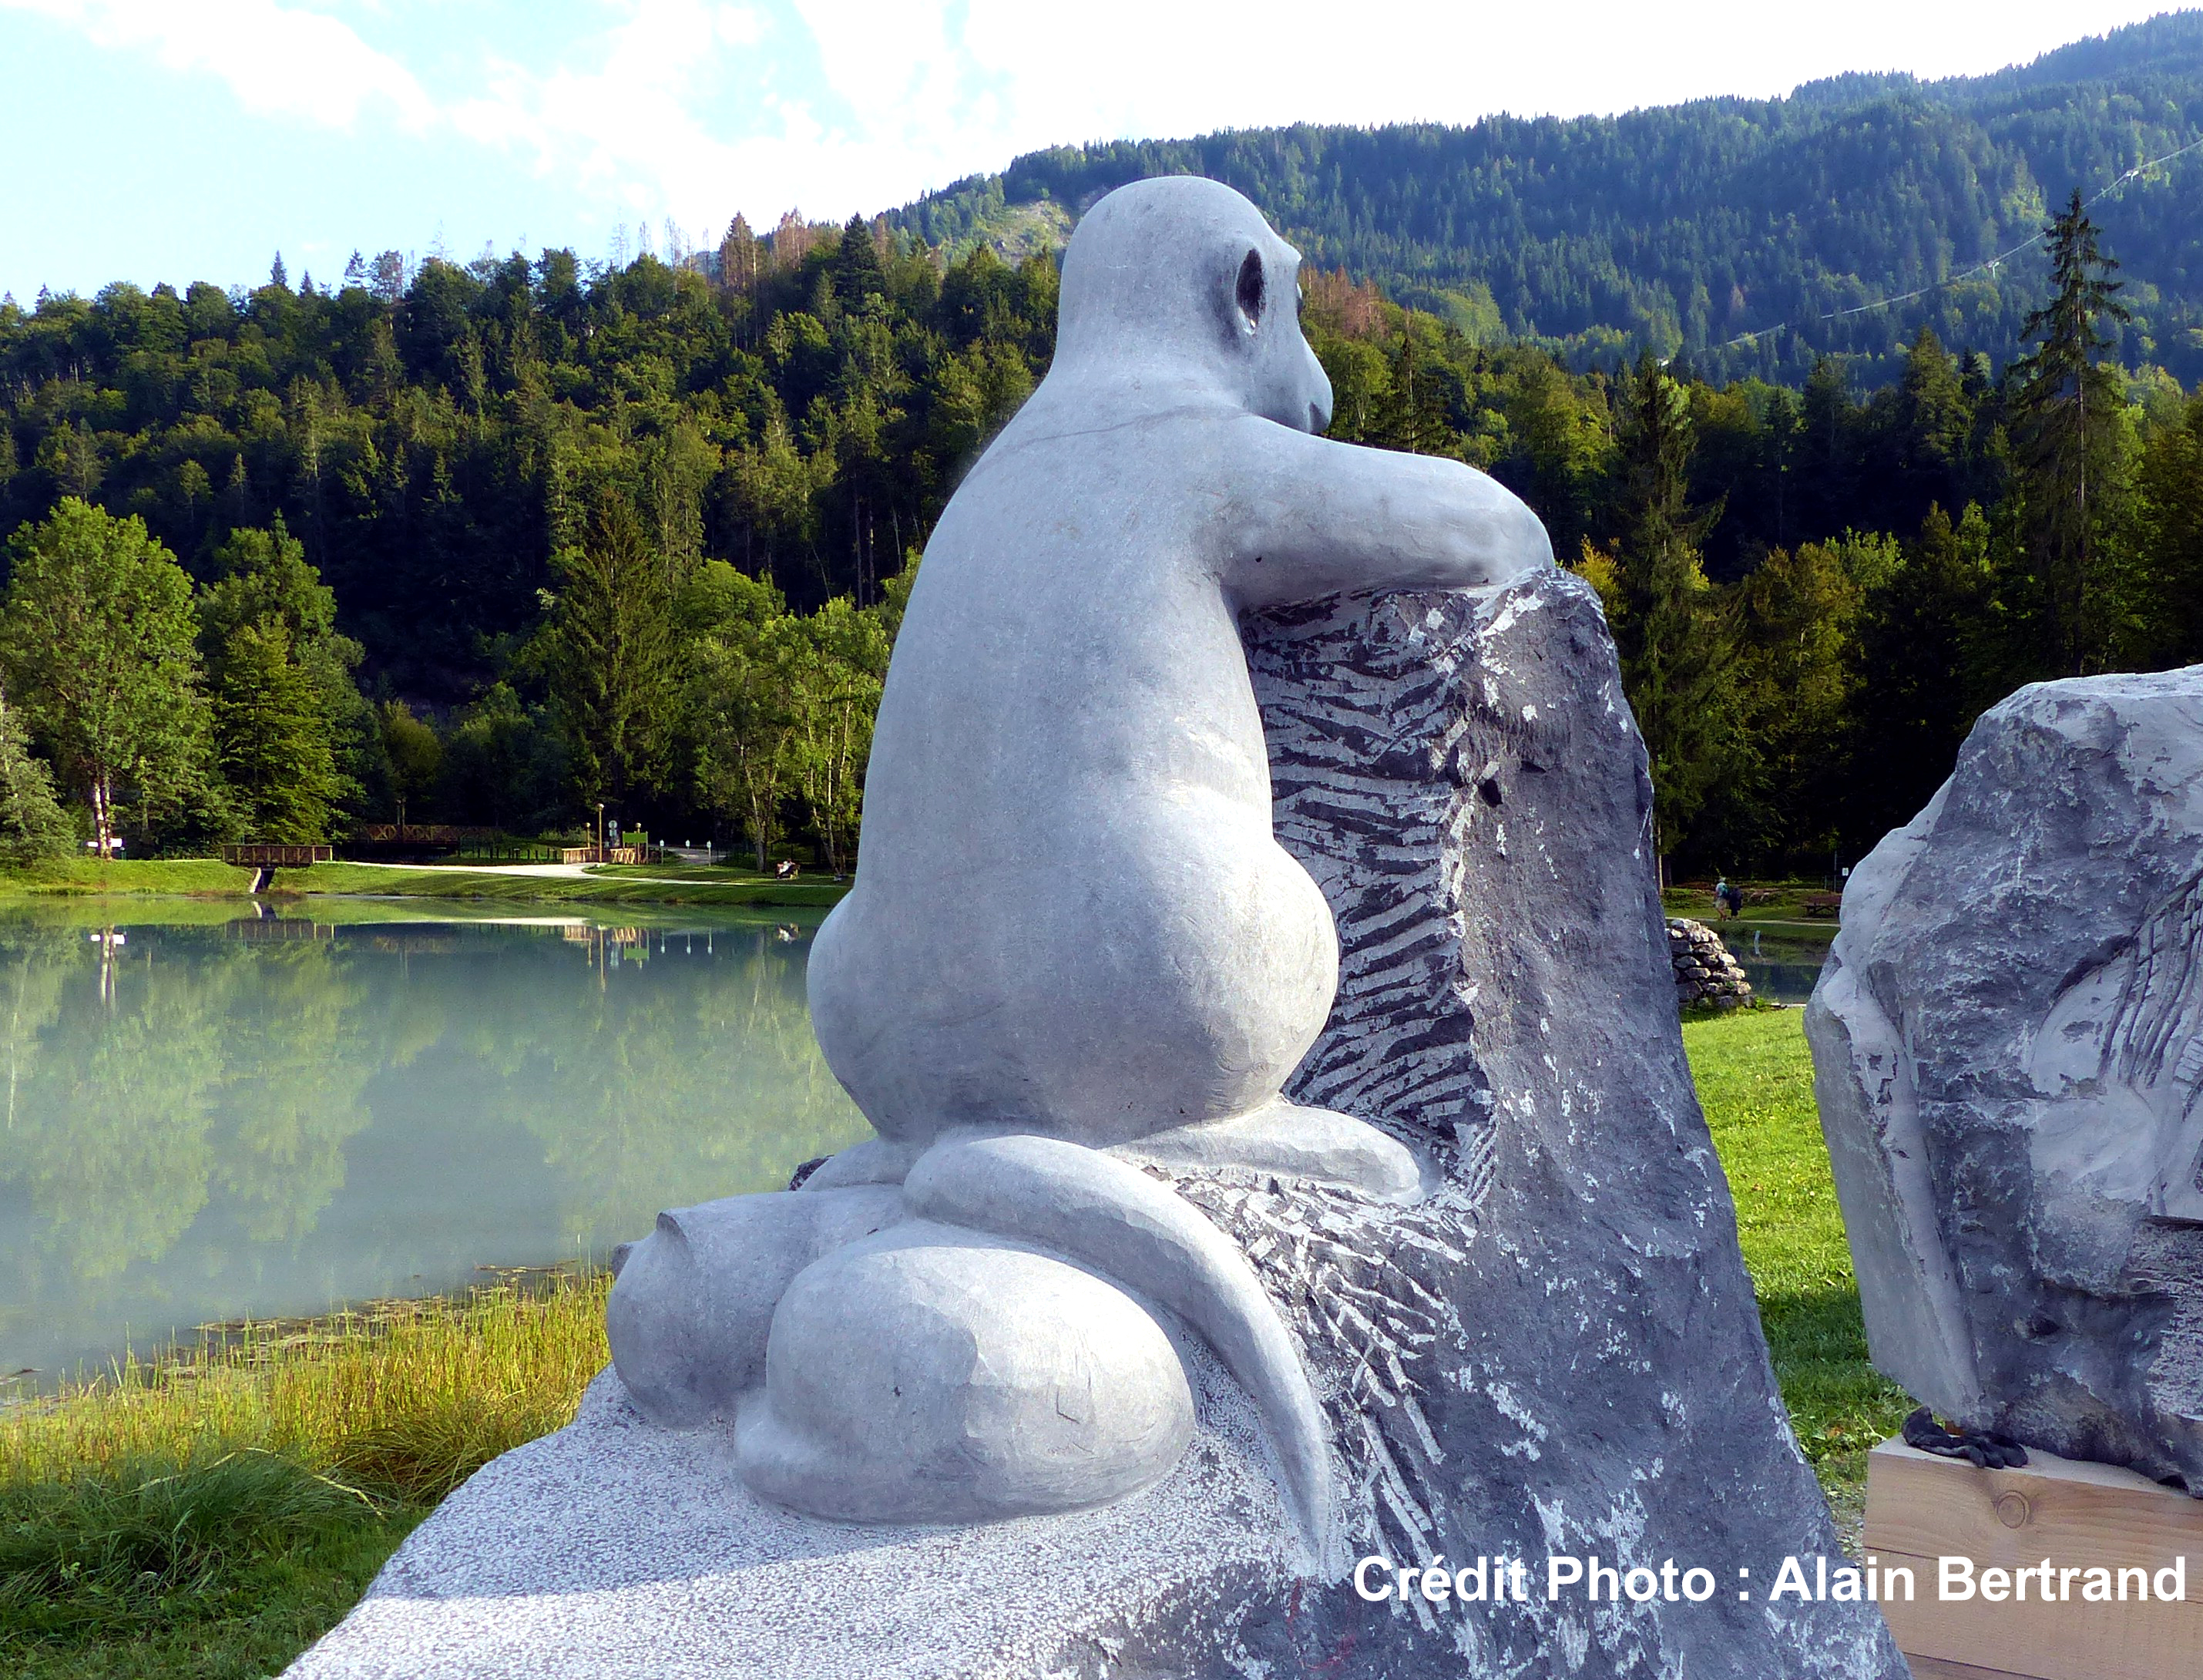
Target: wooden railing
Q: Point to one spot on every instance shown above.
(277, 857)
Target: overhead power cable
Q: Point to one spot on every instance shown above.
(1984, 267)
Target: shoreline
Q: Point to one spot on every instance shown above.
(209, 878)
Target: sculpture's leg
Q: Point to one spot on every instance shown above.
(1107, 1214)
(1285, 1138)
(930, 1376)
(690, 1310)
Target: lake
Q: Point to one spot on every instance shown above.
(1781, 962)
(210, 1114)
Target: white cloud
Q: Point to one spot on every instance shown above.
(277, 61)
(910, 94)
(696, 107)
(633, 125)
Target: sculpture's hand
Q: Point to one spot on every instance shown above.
(1318, 517)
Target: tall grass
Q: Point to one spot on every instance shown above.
(406, 1399)
(228, 1500)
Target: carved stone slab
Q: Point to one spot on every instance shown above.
(2008, 1050)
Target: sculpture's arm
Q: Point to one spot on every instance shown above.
(1313, 517)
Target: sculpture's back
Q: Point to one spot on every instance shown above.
(1070, 912)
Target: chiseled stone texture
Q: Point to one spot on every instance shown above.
(1556, 1352)
(2008, 1050)
(1559, 1352)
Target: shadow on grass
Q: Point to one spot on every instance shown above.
(227, 1565)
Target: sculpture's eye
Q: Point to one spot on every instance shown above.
(1250, 287)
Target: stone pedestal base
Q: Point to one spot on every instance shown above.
(2075, 1515)
(616, 1551)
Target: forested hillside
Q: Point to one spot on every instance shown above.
(1685, 227)
(490, 542)
(433, 435)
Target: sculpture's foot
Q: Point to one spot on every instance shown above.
(690, 1310)
(929, 1376)
(1294, 1142)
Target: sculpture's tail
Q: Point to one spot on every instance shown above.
(1107, 1214)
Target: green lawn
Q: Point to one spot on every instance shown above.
(1787, 904)
(210, 1524)
(1755, 1079)
(652, 883)
(88, 877)
(675, 885)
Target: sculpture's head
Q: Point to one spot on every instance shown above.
(1181, 274)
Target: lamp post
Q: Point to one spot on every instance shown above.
(600, 831)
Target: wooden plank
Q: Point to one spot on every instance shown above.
(2100, 1515)
(1935, 1668)
(1920, 1508)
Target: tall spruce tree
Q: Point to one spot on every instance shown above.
(608, 655)
(1920, 661)
(272, 733)
(2169, 479)
(1677, 650)
(1411, 416)
(290, 741)
(2067, 416)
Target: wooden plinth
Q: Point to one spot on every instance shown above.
(1920, 1508)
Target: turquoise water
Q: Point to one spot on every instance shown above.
(208, 1113)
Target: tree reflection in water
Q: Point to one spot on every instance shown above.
(211, 1115)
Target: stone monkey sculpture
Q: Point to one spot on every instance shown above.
(1073, 942)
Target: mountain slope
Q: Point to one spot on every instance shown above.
(1687, 228)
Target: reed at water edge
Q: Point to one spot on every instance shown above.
(148, 1495)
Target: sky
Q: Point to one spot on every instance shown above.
(175, 140)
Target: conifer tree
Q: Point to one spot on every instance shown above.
(1920, 661)
(1677, 651)
(2169, 479)
(292, 771)
(2067, 419)
(1412, 414)
(272, 736)
(858, 271)
(608, 653)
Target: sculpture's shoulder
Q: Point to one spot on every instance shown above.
(1134, 465)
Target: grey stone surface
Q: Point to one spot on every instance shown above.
(1706, 974)
(1555, 1350)
(2008, 1049)
(617, 1550)
(1295, 1140)
(1141, 1232)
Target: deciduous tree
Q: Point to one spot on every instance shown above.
(97, 635)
